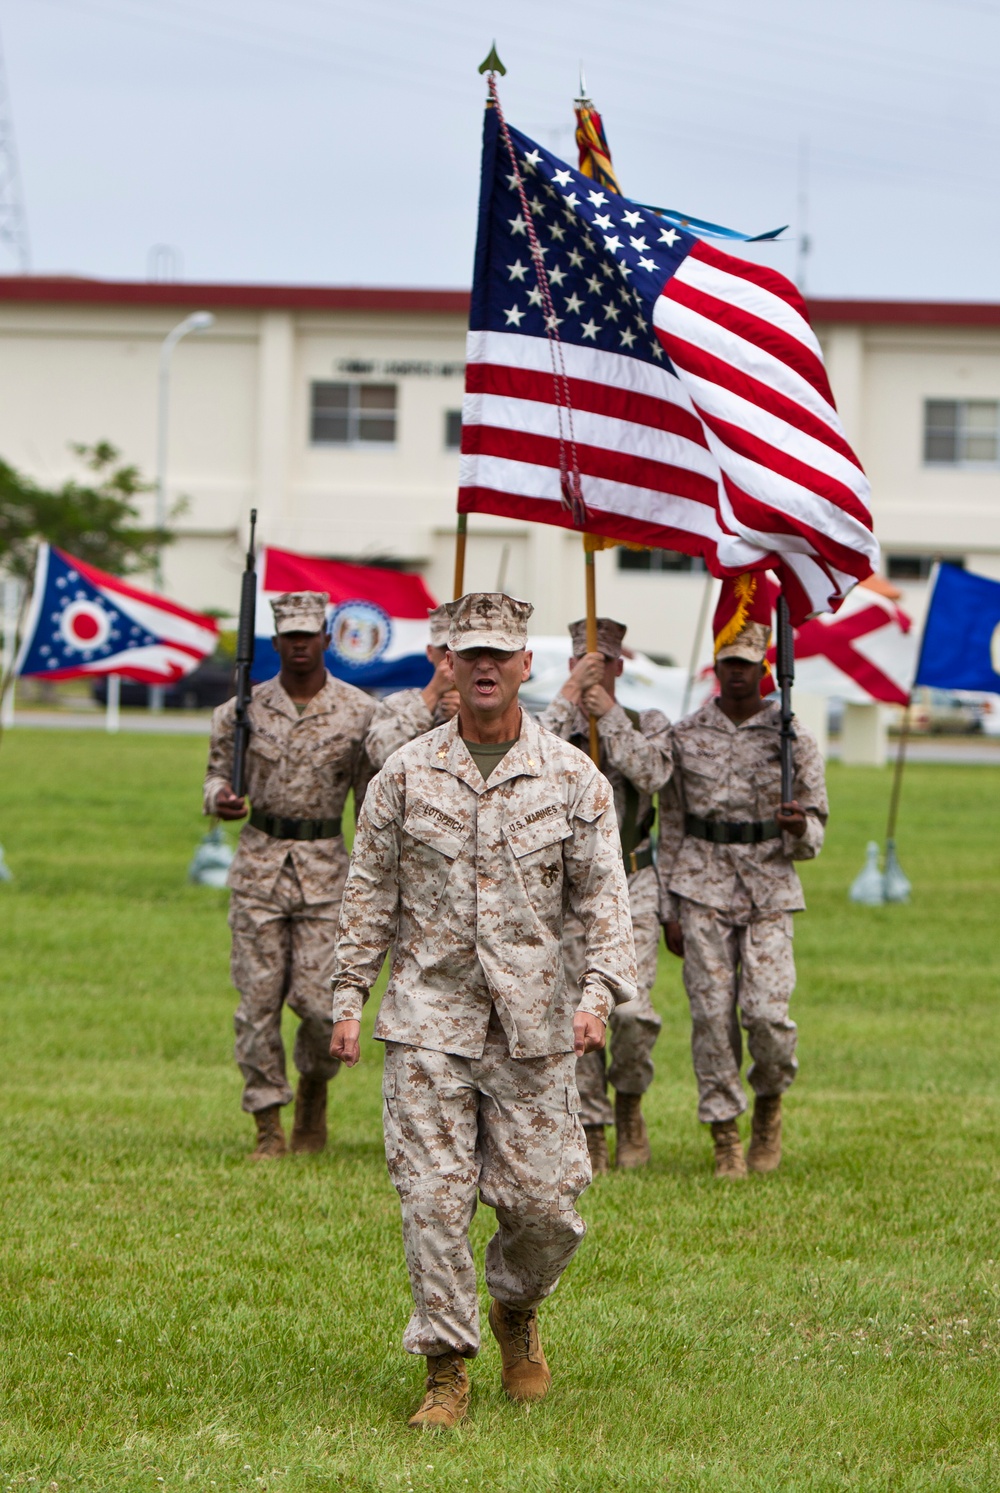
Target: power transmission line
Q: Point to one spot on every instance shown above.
(13, 219)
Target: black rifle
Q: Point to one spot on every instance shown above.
(786, 678)
(244, 663)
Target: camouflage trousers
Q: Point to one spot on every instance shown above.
(505, 1128)
(283, 953)
(738, 970)
(633, 1027)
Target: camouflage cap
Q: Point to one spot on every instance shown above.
(742, 622)
(440, 624)
(751, 643)
(299, 611)
(488, 619)
(610, 636)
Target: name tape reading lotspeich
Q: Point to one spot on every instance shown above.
(400, 367)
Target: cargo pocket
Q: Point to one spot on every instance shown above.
(576, 1172)
(395, 1149)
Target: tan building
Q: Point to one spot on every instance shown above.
(336, 412)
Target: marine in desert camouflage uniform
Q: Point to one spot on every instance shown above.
(410, 712)
(728, 883)
(636, 759)
(306, 754)
(472, 841)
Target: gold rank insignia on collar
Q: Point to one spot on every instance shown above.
(442, 753)
(532, 762)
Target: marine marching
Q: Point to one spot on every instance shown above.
(514, 887)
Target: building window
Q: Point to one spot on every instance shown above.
(961, 432)
(345, 414)
(917, 567)
(452, 430)
(658, 560)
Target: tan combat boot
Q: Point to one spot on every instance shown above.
(597, 1147)
(309, 1129)
(630, 1127)
(524, 1373)
(729, 1159)
(447, 1397)
(270, 1136)
(764, 1154)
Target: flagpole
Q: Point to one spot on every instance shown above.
(461, 530)
(592, 542)
(897, 778)
(112, 718)
(491, 64)
(11, 609)
(591, 577)
(699, 634)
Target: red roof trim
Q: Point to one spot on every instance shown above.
(67, 289)
(70, 290)
(908, 313)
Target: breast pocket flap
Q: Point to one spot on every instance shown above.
(263, 746)
(705, 765)
(443, 834)
(535, 831)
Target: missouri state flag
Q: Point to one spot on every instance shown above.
(683, 385)
(377, 619)
(84, 622)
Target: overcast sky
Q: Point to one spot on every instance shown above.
(314, 141)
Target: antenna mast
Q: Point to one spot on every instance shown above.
(13, 219)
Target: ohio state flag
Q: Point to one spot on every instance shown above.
(84, 622)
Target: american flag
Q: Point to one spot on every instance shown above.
(685, 386)
(84, 622)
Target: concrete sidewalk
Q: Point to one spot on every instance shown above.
(975, 751)
(165, 723)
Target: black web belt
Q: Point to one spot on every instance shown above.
(728, 832)
(294, 829)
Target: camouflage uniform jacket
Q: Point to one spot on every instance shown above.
(633, 759)
(397, 719)
(298, 767)
(468, 882)
(728, 772)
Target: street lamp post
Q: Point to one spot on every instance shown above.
(198, 321)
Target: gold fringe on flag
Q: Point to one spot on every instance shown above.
(745, 588)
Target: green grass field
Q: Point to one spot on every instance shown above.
(173, 1317)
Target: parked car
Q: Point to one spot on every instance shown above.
(943, 712)
(210, 684)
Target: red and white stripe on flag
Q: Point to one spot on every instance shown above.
(684, 386)
(739, 336)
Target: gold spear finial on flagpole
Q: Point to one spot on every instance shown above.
(492, 64)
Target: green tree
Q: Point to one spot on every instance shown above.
(94, 519)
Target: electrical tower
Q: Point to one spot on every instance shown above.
(13, 220)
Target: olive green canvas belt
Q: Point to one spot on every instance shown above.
(294, 829)
(638, 860)
(726, 832)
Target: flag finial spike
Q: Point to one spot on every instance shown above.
(492, 63)
(583, 86)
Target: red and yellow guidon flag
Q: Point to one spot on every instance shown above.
(592, 143)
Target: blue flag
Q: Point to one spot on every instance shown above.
(961, 646)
